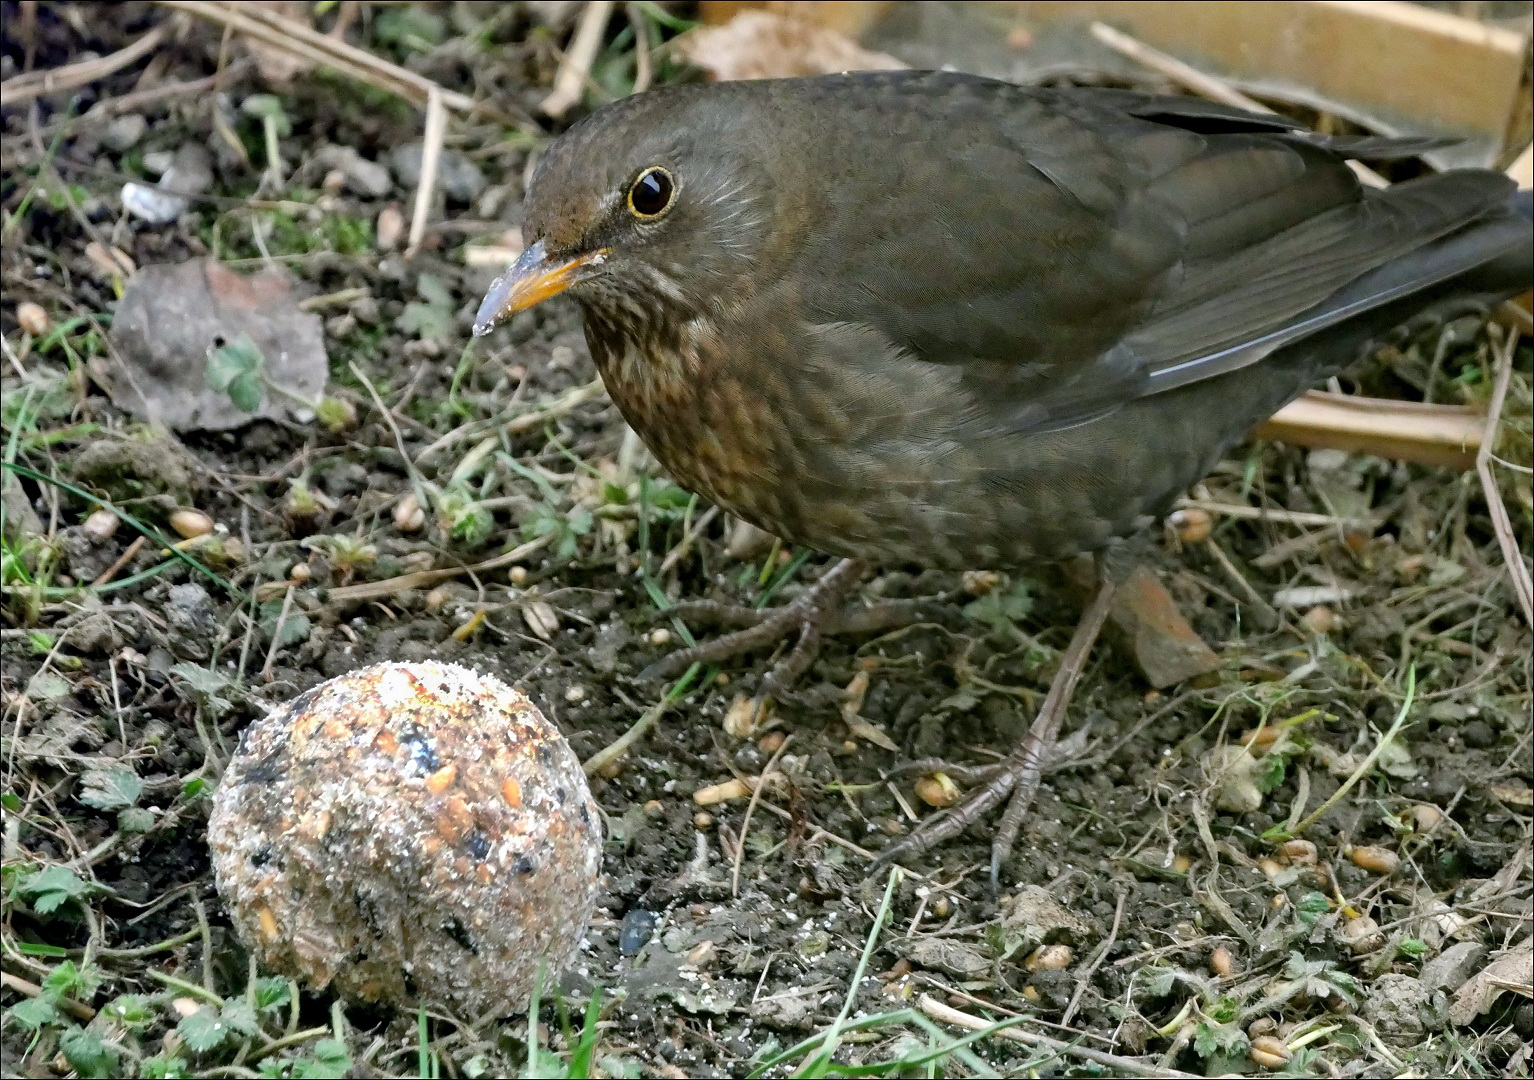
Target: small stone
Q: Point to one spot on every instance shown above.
(124, 133)
(457, 177)
(1451, 968)
(193, 619)
(408, 515)
(637, 929)
(389, 228)
(1320, 619)
(370, 179)
(1233, 771)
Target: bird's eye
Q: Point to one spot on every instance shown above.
(650, 195)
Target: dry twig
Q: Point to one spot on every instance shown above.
(1122, 1065)
(1523, 589)
(570, 81)
(431, 155)
(34, 84)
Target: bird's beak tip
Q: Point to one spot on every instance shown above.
(532, 279)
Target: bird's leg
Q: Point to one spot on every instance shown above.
(1019, 773)
(808, 615)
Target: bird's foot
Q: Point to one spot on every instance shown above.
(1018, 775)
(809, 615)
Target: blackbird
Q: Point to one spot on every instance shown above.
(928, 317)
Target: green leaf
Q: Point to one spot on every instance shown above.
(111, 789)
(193, 788)
(67, 980)
(271, 993)
(238, 1016)
(133, 1011)
(49, 889)
(135, 820)
(89, 1056)
(1311, 907)
(1158, 980)
(410, 27)
(34, 1013)
(207, 686)
(1270, 773)
(1225, 1010)
(246, 391)
(330, 1059)
(1211, 1038)
(204, 1030)
(998, 609)
(164, 1068)
(228, 362)
(11, 803)
(263, 106)
(432, 316)
(431, 289)
(425, 321)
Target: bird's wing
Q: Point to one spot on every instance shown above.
(1096, 247)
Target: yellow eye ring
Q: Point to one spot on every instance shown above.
(651, 193)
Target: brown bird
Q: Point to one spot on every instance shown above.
(927, 317)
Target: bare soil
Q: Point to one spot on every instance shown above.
(1187, 934)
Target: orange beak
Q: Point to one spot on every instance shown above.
(532, 279)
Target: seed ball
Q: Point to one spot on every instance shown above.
(412, 834)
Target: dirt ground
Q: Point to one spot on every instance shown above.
(1151, 915)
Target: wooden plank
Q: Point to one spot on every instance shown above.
(850, 17)
(1397, 61)
(1415, 431)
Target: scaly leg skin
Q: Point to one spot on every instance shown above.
(1019, 774)
(809, 615)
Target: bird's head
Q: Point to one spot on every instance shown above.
(653, 204)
